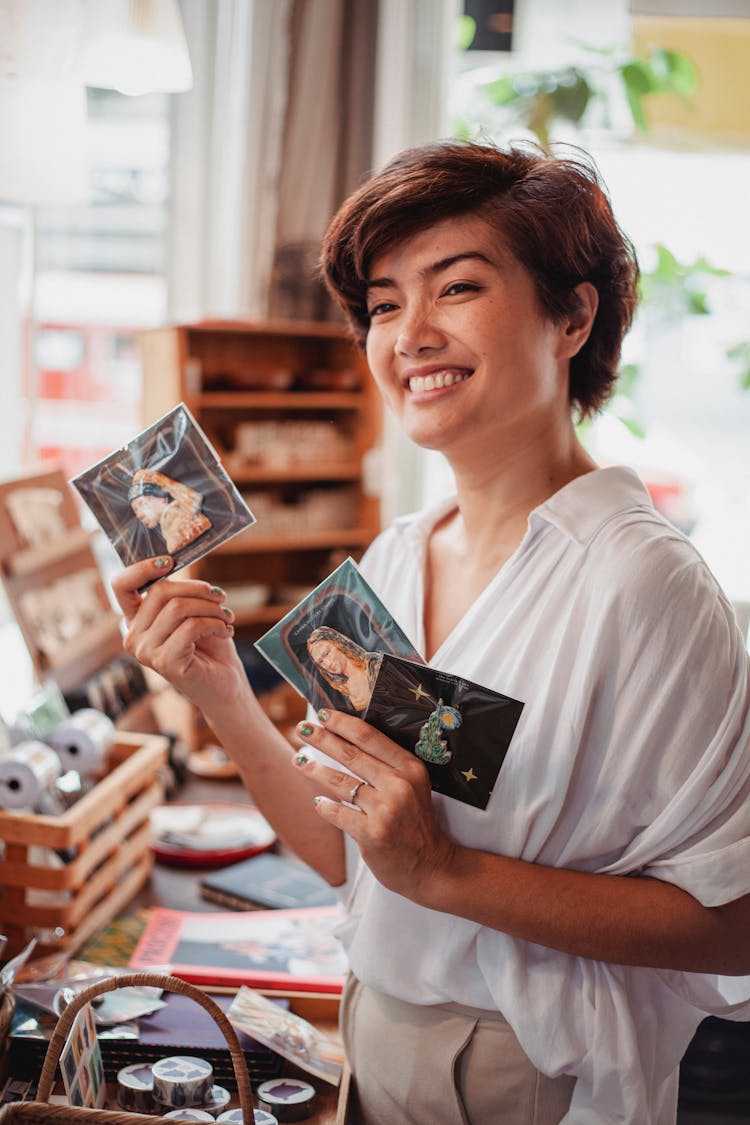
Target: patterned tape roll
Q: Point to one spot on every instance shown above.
(261, 1116)
(190, 1113)
(182, 1080)
(135, 1088)
(216, 1100)
(289, 1099)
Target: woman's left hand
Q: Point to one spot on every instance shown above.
(393, 822)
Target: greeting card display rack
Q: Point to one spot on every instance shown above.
(52, 579)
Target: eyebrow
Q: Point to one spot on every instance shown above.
(433, 269)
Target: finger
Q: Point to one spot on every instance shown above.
(340, 786)
(129, 582)
(176, 598)
(176, 653)
(360, 734)
(182, 612)
(347, 819)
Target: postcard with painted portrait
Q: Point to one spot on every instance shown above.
(165, 492)
(459, 729)
(329, 646)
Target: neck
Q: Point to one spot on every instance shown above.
(496, 495)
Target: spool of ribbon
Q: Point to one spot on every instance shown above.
(27, 771)
(83, 741)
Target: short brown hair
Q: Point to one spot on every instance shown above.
(553, 212)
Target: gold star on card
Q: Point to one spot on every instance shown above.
(418, 692)
(470, 775)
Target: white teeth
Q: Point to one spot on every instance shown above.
(436, 382)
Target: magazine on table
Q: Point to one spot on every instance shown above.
(269, 949)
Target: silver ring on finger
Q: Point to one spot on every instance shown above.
(354, 791)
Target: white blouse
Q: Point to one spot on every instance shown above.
(632, 756)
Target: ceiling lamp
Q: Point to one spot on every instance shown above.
(135, 47)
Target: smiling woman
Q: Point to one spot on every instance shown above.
(560, 946)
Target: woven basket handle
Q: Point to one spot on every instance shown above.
(154, 980)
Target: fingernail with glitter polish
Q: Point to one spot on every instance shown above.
(162, 563)
(301, 760)
(305, 729)
(324, 715)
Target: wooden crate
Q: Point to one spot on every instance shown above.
(105, 839)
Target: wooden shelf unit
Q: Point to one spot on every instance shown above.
(300, 377)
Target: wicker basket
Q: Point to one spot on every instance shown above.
(40, 1111)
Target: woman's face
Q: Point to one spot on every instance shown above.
(330, 658)
(149, 509)
(458, 343)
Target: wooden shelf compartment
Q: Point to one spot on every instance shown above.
(250, 541)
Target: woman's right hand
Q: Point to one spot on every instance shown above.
(182, 628)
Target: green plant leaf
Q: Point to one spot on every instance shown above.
(702, 265)
(571, 96)
(637, 82)
(464, 32)
(697, 303)
(502, 91)
(634, 425)
(675, 71)
(740, 354)
(627, 378)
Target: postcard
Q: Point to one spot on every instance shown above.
(459, 729)
(288, 1034)
(81, 1063)
(329, 646)
(165, 492)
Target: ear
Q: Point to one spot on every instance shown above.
(575, 329)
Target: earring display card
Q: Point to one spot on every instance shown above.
(166, 491)
(328, 647)
(460, 730)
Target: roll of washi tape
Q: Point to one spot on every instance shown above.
(83, 741)
(190, 1113)
(261, 1117)
(216, 1100)
(26, 772)
(182, 1080)
(135, 1088)
(289, 1099)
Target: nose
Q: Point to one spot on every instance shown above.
(419, 333)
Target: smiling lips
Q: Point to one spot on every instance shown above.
(437, 380)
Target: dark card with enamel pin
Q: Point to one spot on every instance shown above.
(459, 729)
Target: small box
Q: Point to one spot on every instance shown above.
(77, 870)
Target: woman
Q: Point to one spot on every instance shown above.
(344, 665)
(159, 501)
(549, 958)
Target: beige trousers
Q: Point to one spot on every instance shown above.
(441, 1065)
